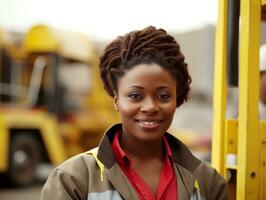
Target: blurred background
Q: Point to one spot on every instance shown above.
(52, 104)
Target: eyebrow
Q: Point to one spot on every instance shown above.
(140, 87)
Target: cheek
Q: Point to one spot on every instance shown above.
(127, 109)
(169, 110)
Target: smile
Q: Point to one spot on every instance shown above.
(149, 124)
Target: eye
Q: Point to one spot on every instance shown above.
(135, 96)
(164, 97)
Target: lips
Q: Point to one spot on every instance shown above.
(149, 123)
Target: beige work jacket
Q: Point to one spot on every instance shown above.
(95, 175)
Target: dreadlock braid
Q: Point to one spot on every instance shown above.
(149, 45)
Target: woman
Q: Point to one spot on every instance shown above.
(144, 71)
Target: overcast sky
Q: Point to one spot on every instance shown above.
(105, 19)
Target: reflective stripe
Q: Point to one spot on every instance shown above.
(94, 153)
(196, 192)
(196, 184)
(107, 195)
(196, 195)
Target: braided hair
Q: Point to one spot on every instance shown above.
(146, 46)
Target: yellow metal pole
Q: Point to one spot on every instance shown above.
(219, 89)
(263, 160)
(52, 140)
(4, 145)
(248, 132)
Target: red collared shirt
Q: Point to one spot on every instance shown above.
(167, 187)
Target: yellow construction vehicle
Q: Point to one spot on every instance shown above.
(239, 145)
(53, 106)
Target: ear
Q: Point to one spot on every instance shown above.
(116, 103)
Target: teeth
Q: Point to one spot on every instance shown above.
(149, 123)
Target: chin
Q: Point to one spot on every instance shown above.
(150, 136)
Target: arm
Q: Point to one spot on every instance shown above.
(219, 191)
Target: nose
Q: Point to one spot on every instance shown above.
(149, 106)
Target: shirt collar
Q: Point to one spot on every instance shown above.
(122, 157)
(120, 154)
(167, 149)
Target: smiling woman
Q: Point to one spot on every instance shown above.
(146, 74)
(146, 109)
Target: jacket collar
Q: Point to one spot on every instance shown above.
(187, 178)
(185, 164)
(181, 154)
(105, 153)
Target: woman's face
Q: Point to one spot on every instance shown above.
(146, 101)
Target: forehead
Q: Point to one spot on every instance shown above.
(147, 75)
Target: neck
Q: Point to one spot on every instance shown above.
(142, 150)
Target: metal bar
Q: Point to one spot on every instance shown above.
(36, 79)
(263, 160)
(4, 144)
(219, 89)
(248, 132)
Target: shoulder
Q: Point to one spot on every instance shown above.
(210, 181)
(75, 168)
(76, 164)
(69, 179)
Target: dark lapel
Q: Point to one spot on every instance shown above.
(105, 153)
(185, 164)
(185, 182)
(182, 154)
(113, 172)
(121, 183)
